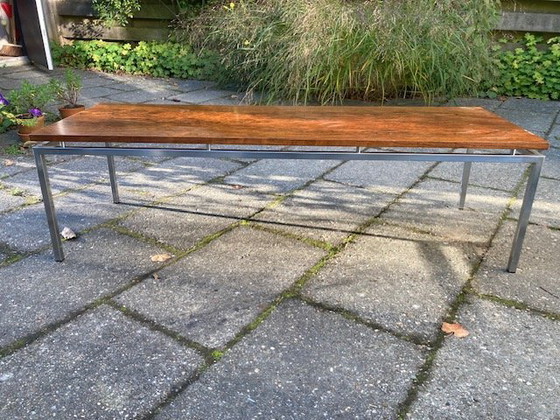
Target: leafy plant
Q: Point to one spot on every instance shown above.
(30, 98)
(7, 117)
(14, 149)
(329, 50)
(531, 70)
(159, 59)
(116, 12)
(69, 89)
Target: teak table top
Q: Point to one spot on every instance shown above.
(429, 127)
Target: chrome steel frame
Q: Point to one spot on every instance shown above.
(534, 158)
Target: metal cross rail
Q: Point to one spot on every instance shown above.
(533, 158)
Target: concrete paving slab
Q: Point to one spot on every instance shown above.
(150, 84)
(95, 92)
(191, 85)
(535, 122)
(202, 95)
(551, 166)
(185, 220)
(10, 198)
(535, 105)
(432, 206)
(242, 147)
(502, 176)
(536, 281)
(304, 364)
(554, 135)
(9, 84)
(89, 102)
(507, 368)
(489, 104)
(412, 294)
(279, 176)
(9, 70)
(8, 138)
(34, 76)
(72, 174)
(102, 365)
(401, 280)
(139, 96)
(173, 176)
(26, 229)
(122, 86)
(90, 79)
(325, 211)
(38, 291)
(387, 177)
(546, 207)
(210, 295)
(13, 164)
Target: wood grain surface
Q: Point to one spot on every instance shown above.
(423, 127)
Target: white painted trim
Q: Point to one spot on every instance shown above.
(44, 35)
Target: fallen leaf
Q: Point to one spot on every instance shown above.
(456, 329)
(9, 162)
(161, 257)
(68, 233)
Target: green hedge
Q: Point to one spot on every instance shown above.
(531, 70)
(158, 59)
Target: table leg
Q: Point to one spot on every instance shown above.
(49, 205)
(113, 177)
(530, 190)
(464, 183)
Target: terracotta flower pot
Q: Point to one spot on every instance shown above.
(25, 130)
(66, 111)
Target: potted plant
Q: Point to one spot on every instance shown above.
(27, 104)
(68, 91)
(7, 118)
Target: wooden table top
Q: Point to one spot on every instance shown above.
(424, 127)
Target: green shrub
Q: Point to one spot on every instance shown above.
(531, 70)
(116, 12)
(335, 49)
(30, 96)
(158, 59)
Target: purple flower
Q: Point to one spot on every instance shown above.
(3, 100)
(36, 112)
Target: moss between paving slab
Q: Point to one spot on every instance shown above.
(30, 338)
(295, 290)
(463, 297)
(518, 305)
(471, 185)
(206, 352)
(211, 356)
